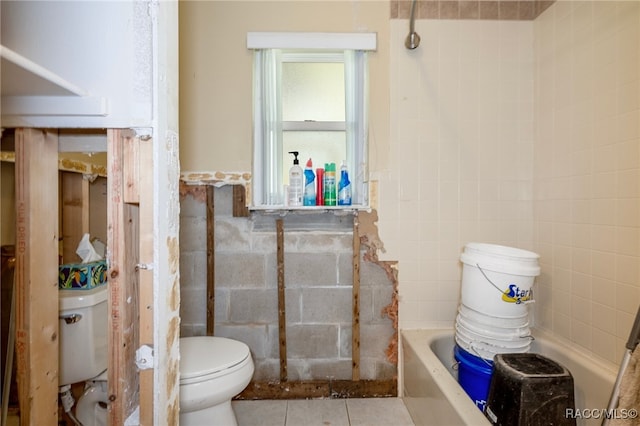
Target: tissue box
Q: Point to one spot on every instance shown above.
(82, 276)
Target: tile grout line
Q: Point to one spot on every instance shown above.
(286, 413)
(346, 406)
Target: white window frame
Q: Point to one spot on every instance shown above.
(267, 150)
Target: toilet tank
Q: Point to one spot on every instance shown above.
(83, 334)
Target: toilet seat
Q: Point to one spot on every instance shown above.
(204, 358)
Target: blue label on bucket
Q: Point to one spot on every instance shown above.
(480, 403)
(515, 295)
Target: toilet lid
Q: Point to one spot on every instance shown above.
(205, 355)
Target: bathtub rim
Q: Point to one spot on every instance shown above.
(419, 339)
(606, 365)
(448, 385)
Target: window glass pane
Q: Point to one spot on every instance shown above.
(321, 147)
(312, 91)
(293, 87)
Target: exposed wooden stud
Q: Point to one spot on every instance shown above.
(131, 168)
(320, 389)
(240, 201)
(282, 321)
(36, 275)
(123, 256)
(211, 288)
(145, 174)
(355, 338)
(75, 213)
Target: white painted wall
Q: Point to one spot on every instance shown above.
(102, 47)
(216, 72)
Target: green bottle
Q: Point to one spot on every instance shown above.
(330, 184)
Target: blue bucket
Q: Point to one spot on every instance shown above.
(474, 375)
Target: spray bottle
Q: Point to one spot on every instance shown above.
(344, 187)
(295, 182)
(320, 186)
(330, 184)
(309, 198)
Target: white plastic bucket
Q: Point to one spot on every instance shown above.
(494, 332)
(514, 342)
(484, 350)
(491, 321)
(498, 280)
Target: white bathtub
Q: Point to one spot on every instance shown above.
(431, 392)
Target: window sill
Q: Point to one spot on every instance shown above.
(310, 209)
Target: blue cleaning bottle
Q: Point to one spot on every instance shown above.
(344, 186)
(309, 198)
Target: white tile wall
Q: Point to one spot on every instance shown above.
(462, 155)
(587, 176)
(524, 134)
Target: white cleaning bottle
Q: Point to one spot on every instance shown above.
(295, 182)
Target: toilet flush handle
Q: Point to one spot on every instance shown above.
(71, 318)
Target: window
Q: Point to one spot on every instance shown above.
(310, 96)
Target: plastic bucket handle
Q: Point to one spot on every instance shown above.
(498, 288)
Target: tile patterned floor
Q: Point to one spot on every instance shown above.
(315, 412)
(323, 412)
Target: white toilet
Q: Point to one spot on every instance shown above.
(212, 369)
(83, 350)
(92, 405)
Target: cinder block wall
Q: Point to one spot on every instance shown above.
(318, 280)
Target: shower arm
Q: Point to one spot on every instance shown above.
(413, 39)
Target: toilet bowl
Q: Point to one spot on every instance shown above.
(91, 409)
(212, 371)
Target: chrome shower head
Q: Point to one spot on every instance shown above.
(412, 41)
